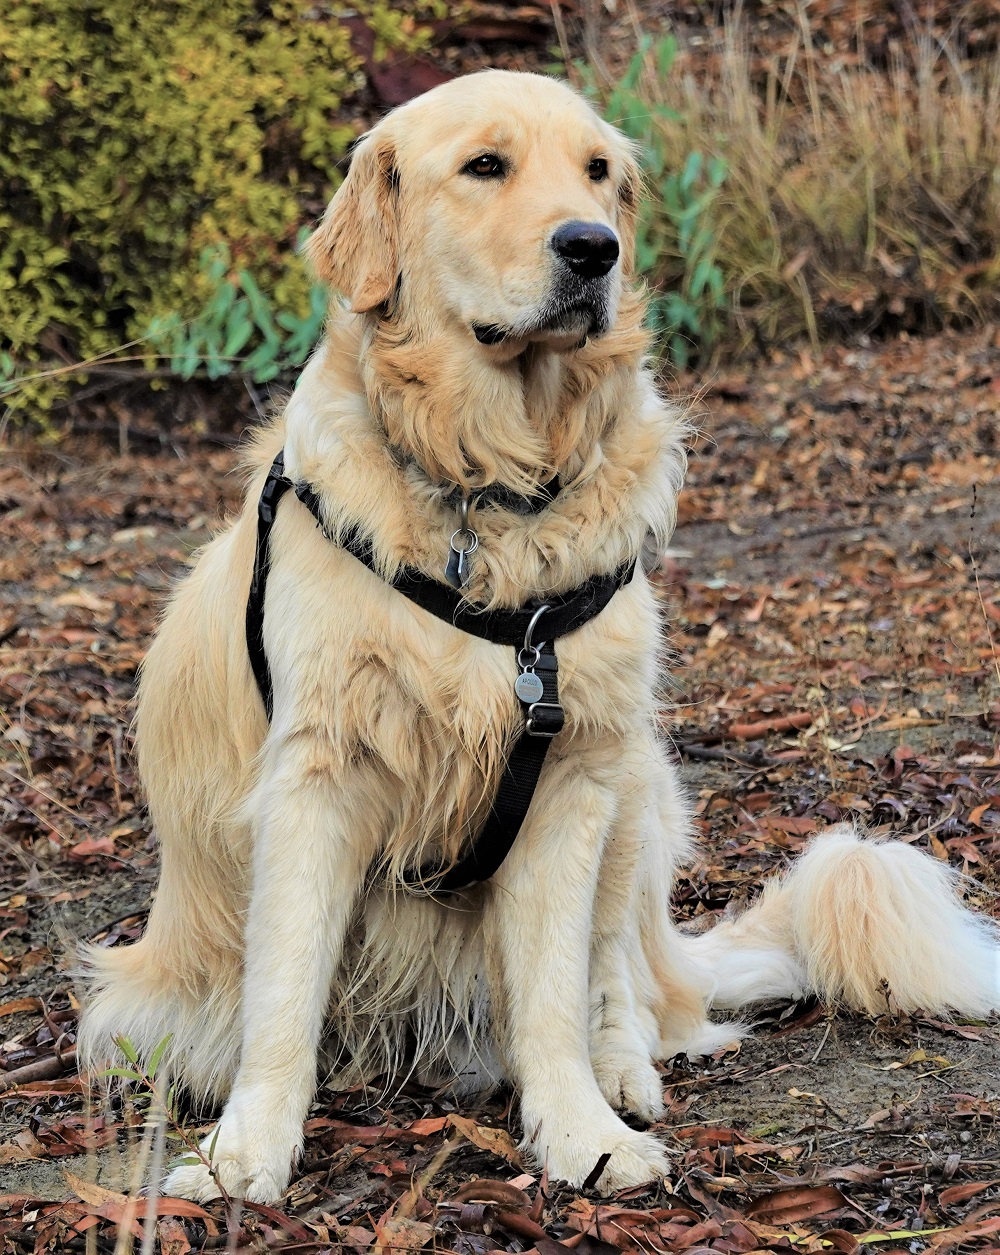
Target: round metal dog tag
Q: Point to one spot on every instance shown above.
(528, 687)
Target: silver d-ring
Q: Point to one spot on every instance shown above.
(528, 656)
(467, 549)
(464, 513)
(528, 643)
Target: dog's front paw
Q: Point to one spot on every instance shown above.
(635, 1160)
(629, 1081)
(572, 1154)
(252, 1167)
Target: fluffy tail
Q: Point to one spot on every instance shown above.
(875, 925)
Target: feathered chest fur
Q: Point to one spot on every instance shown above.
(382, 688)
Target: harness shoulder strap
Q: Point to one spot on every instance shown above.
(275, 487)
(515, 790)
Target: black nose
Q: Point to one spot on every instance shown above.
(588, 248)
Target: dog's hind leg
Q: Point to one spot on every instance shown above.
(150, 993)
(182, 979)
(198, 728)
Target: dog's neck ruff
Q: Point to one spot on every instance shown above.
(490, 496)
(536, 686)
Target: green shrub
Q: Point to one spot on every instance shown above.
(137, 136)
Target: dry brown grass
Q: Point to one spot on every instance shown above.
(857, 198)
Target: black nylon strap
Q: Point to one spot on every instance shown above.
(275, 487)
(500, 497)
(543, 719)
(493, 842)
(566, 612)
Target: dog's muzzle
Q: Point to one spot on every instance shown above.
(586, 253)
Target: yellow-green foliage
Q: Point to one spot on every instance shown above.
(136, 133)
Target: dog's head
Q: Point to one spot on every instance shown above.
(501, 200)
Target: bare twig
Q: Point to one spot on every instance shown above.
(40, 1070)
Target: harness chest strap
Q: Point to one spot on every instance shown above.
(517, 628)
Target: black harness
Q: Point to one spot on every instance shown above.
(536, 686)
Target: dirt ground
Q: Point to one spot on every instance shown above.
(833, 602)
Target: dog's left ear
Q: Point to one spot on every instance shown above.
(630, 187)
(355, 248)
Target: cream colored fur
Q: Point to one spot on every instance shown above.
(279, 934)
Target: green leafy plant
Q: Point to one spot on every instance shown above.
(689, 313)
(138, 138)
(237, 330)
(148, 1089)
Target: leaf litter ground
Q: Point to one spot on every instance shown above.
(833, 601)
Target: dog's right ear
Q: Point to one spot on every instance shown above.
(355, 247)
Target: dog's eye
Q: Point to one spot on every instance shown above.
(598, 169)
(485, 166)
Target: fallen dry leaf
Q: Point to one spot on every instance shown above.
(91, 1192)
(10, 1153)
(403, 1234)
(172, 1238)
(19, 1005)
(84, 600)
(497, 1141)
(765, 727)
(962, 1193)
(964, 1233)
(797, 1204)
(92, 845)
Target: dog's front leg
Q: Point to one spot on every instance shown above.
(539, 922)
(310, 857)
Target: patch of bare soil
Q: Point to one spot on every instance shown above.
(833, 601)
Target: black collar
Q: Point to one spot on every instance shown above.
(501, 497)
(491, 496)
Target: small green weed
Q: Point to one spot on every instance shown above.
(149, 1090)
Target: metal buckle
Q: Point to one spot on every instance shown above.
(524, 653)
(531, 731)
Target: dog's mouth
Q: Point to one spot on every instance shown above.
(589, 317)
(585, 318)
(490, 333)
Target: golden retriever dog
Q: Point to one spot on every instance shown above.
(490, 338)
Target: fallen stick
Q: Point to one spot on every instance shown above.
(784, 723)
(40, 1070)
(712, 754)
